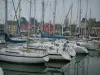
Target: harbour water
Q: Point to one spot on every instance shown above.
(79, 65)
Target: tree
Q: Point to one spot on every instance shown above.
(24, 21)
(66, 22)
(32, 21)
(91, 23)
(66, 28)
(73, 28)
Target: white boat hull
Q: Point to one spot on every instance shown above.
(23, 59)
(93, 45)
(90, 45)
(21, 55)
(81, 50)
(58, 56)
(71, 51)
(2, 42)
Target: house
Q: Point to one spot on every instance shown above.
(83, 25)
(1, 29)
(48, 29)
(12, 27)
(96, 29)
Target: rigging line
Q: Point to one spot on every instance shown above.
(4, 1)
(28, 1)
(80, 12)
(77, 12)
(86, 17)
(40, 21)
(15, 14)
(50, 18)
(86, 9)
(7, 1)
(46, 6)
(10, 9)
(71, 14)
(54, 13)
(63, 7)
(62, 16)
(34, 15)
(68, 11)
(28, 33)
(14, 9)
(71, 19)
(50, 11)
(63, 12)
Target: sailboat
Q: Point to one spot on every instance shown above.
(66, 46)
(78, 49)
(54, 51)
(19, 54)
(57, 53)
(7, 39)
(89, 43)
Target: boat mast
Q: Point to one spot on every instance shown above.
(29, 23)
(68, 12)
(90, 12)
(6, 18)
(71, 20)
(54, 14)
(19, 20)
(50, 19)
(80, 19)
(34, 14)
(42, 13)
(89, 22)
(63, 14)
(86, 17)
(77, 20)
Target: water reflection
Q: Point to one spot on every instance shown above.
(74, 67)
(80, 65)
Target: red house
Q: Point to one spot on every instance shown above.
(48, 27)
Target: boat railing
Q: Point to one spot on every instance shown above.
(11, 52)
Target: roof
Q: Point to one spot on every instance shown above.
(97, 24)
(83, 20)
(1, 26)
(10, 22)
(48, 27)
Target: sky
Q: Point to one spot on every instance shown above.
(62, 8)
